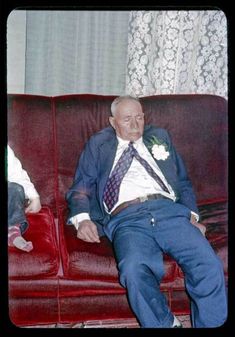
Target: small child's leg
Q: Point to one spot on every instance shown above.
(15, 239)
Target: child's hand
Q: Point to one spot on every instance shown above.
(34, 206)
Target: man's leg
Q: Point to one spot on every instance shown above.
(203, 270)
(140, 265)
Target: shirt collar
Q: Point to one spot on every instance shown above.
(123, 142)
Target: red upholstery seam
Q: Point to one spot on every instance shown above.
(56, 183)
(58, 300)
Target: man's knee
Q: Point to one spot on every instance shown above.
(210, 271)
(216, 267)
(130, 269)
(136, 271)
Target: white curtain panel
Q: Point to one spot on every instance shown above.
(16, 26)
(174, 52)
(76, 52)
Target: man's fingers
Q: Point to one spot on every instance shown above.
(87, 231)
(201, 227)
(94, 233)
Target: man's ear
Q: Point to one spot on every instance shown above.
(112, 121)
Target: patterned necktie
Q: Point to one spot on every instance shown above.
(111, 191)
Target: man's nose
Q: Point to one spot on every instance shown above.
(134, 124)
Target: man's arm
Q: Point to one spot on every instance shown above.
(78, 195)
(84, 180)
(86, 229)
(186, 193)
(187, 196)
(200, 226)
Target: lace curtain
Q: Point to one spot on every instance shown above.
(173, 52)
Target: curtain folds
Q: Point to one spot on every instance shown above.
(116, 52)
(76, 52)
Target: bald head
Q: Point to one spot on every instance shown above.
(127, 118)
(121, 99)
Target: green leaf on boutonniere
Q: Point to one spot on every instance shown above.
(154, 141)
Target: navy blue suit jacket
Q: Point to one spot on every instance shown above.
(95, 164)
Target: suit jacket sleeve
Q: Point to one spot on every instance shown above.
(186, 195)
(78, 196)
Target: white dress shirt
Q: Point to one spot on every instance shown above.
(16, 174)
(137, 182)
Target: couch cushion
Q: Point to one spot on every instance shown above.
(82, 300)
(83, 260)
(43, 260)
(214, 216)
(27, 311)
(33, 301)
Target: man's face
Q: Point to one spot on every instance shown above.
(128, 120)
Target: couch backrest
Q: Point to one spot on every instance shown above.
(31, 136)
(77, 118)
(49, 134)
(197, 124)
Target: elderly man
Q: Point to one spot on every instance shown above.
(132, 184)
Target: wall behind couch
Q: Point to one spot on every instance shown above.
(117, 52)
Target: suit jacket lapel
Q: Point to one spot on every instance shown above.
(107, 155)
(164, 165)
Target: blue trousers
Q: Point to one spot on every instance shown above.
(16, 206)
(140, 234)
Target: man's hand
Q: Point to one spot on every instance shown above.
(34, 206)
(87, 231)
(200, 226)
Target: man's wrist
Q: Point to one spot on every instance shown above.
(78, 218)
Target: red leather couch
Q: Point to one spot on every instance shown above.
(65, 280)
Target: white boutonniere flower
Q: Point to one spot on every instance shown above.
(159, 149)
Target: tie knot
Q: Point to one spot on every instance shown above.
(131, 147)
